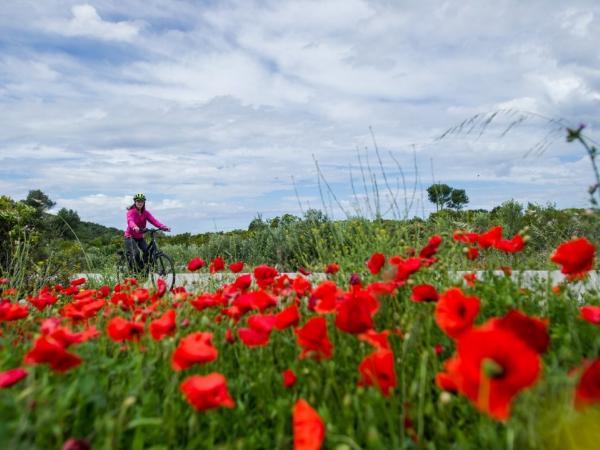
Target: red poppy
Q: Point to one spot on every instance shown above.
(376, 262)
(12, 376)
(243, 282)
(253, 338)
(301, 285)
(303, 271)
(465, 236)
(355, 313)
(494, 366)
(472, 253)
(4, 281)
(207, 392)
(161, 287)
(405, 268)
(12, 311)
(324, 297)
(43, 299)
(254, 300)
(51, 327)
(309, 429)
(289, 378)
(229, 336)
(576, 258)
(424, 293)
(165, 326)
(77, 282)
(470, 278)
(288, 317)
(195, 348)
(490, 237)
(236, 267)
(378, 340)
(438, 349)
(119, 329)
(332, 268)
(195, 264)
(591, 314)
(431, 247)
(377, 369)
(140, 295)
(514, 245)
(313, 339)
(207, 300)
(455, 312)
(216, 265)
(588, 388)
(49, 351)
(380, 288)
(265, 275)
(262, 322)
(531, 330)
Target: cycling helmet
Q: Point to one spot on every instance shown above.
(139, 196)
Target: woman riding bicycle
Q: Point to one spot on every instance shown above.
(137, 215)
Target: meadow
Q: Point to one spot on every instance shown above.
(388, 352)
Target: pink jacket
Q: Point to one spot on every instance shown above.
(136, 219)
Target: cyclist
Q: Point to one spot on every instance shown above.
(137, 215)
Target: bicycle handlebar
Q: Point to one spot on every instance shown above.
(150, 230)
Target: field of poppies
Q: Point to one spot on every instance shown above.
(401, 355)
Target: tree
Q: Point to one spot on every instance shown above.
(443, 196)
(66, 222)
(38, 200)
(458, 198)
(439, 194)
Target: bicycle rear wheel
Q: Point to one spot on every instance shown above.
(163, 267)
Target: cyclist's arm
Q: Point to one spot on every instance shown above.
(130, 222)
(154, 221)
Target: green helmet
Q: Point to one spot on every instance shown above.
(139, 196)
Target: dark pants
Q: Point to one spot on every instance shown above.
(134, 260)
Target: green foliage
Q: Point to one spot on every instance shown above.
(443, 195)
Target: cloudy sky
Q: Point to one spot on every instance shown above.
(223, 110)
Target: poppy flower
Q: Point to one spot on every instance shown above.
(576, 258)
(288, 317)
(406, 268)
(253, 338)
(472, 253)
(493, 367)
(332, 268)
(216, 265)
(377, 369)
(119, 329)
(490, 238)
(207, 392)
(11, 376)
(195, 348)
(48, 351)
(165, 326)
(424, 293)
(309, 429)
(455, 312)
(376, 262)
(590, 314)
(324, 297)
(303, 271)
(470, 278)
(313, 339)
(161, 287)
(355, 313)
(140, 295)
(531, 330)
(465, 236)
(42, 300)
(12, 311)
(195, 264)
(236, 267)
(265, 275)
(4, 281)
(378, 340)
(588, 388)
(289, 378)
(243, 282)
(301, 286)
(431, 247)
(514, 245)
(77, 282)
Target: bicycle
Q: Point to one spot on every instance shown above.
(158, 264)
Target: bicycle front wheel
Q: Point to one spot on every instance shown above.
(163, 267)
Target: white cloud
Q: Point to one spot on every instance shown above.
(87, 23)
